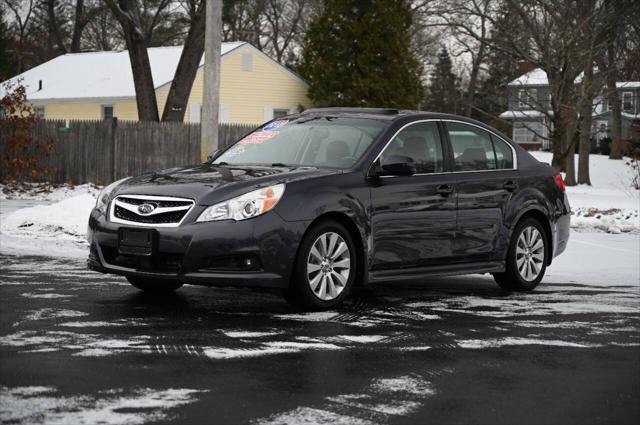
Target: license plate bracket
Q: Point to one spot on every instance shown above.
(136, 241)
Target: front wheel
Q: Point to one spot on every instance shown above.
(325, 268)
(154, 286)
(526, 259)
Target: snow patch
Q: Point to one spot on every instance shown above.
(501, 342)
(47, 296)
(53, 313)
(309, 416)
(363, 339)
(308, 317)
(45, 405)
(249, 334)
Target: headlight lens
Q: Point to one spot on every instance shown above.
(246, 206)
(105, 194)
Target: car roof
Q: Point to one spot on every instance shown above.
(388, 114)
(393, 114)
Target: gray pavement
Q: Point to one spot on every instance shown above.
(80, 347)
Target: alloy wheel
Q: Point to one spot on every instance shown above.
(530, 253)
(328, 266)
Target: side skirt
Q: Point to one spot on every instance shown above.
(391, 275)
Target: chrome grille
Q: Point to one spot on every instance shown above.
(151, 211)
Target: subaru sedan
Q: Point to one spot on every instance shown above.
(320, 202)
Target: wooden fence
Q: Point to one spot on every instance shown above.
(104, 151)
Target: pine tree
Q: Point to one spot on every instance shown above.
(443, 92)
(358, 53)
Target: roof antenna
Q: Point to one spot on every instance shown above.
(39, 85)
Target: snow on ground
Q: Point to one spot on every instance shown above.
(38, 192)
(610, 203)
(38, 404)
(59, 220)
(57, 229)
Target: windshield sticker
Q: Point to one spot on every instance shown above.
(274, 124)
(258, 138)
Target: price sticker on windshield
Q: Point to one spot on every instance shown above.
(258, 138)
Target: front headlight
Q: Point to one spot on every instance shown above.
(245, 206)
(105, 195)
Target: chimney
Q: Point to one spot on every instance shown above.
(525, 66)
(39, 85)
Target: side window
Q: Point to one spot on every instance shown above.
(472, 148)
(421, 142)
(504, 154)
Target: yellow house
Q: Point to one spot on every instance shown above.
(97, 85)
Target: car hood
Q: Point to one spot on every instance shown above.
(208, 184)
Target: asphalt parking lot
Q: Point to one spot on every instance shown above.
(80, 347)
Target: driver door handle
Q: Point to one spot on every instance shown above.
(445, 189)
(510, 185)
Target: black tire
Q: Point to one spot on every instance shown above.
(512, 279)
(154, 286)
(300, 292)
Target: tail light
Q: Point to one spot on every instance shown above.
(559, 182)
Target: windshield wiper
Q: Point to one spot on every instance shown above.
(278, 164)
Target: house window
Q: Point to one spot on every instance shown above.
(527, 132)
(605, 104)
(627, 101)
(527, 98)
(279, 113)
(107, 112)
(38, 111)
(247, 62)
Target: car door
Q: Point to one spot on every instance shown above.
(486, 180)
(413, 217)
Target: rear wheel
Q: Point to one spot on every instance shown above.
(325, 268)
(154, 286)
(526, 259)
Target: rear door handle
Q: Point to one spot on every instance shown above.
(445, 189)
(510, 185)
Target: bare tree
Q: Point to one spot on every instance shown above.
(469, 23)
(607, 62)
(275, 26)
(138, 23)
(22, 12)
(67, 22)
(283, 19)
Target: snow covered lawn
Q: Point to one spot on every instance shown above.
(57, 225)
(610, 203)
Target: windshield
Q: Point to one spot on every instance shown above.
(333, 142)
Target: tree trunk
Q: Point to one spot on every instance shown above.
(128, 16)
(586, 110)
(473, 80)
(142, 79)
(77, 27)
(614, 103)
(53, 25)
(178, 97)
(571, 138)
(211, 91)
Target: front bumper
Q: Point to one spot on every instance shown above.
(191, 252)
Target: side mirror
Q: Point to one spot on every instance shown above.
(398, 165)
(212, 155)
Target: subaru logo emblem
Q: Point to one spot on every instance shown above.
(146, 208)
